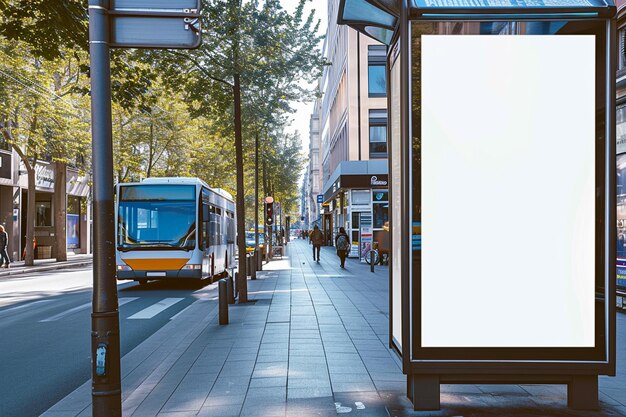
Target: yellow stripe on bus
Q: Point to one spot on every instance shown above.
(156, 264)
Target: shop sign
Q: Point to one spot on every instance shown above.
(44, 176)
(375, 182)
(364, 181)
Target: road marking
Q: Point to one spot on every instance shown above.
(12, 309)
(180, 312)
(65, 313)
(154, 309)
(359, 405)
(342, 410)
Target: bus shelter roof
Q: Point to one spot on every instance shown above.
(378, 19)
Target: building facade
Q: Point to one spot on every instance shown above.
(313, 181)
(353, 136)
(13, 206)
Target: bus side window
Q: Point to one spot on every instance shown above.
(218, 226)
(205, 225)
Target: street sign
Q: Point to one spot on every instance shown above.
(154, 5)
(320, 198)
(156, 24)
(155, 32)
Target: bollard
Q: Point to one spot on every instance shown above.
(230, 291)
(372, 260)
(253, 265)
(223, 301)
(235, 286)
(259, 259)
(248, 263)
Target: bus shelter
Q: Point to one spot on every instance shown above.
(502, 171)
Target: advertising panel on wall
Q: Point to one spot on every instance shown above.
(621, 222)
(516, 173)
(73, 231)
(505, 154)
(396, 199)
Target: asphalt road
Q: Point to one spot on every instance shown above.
(45, 325)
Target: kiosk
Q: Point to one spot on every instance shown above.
(502, 171)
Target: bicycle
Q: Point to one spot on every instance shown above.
(368, 257)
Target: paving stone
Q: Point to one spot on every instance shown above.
(316, 335)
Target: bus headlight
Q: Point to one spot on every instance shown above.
(192, 266)
(124, 268)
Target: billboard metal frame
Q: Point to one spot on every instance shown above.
(425, 375)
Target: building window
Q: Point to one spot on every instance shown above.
(377, 71)
(4, 145)
(43, 214)
(380, 206)
(621, 59)
(378, 133)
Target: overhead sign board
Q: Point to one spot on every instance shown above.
(155, 24)
(156, 5)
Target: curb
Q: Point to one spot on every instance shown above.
(45, 268)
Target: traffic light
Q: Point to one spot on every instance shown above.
(269, 213)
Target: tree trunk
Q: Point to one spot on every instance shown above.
(60, 205)
(29, 259)
(242, 282)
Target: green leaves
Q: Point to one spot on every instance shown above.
(48, 26)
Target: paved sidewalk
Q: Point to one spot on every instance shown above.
(42, 265)
(312, 343)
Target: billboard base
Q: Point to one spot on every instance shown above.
(424, 389)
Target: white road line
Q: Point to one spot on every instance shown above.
(154, 309)
(65, 313)
(12, 309)
(180, 312)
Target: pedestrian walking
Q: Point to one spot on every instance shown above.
(342, 243)
(316, 239)
(4, 246)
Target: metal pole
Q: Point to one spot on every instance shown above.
(256, 202)
(105, 341)
(223, 301)
(372, 260)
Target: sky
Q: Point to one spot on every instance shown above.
(303, 110)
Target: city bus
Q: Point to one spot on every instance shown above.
(173, 228)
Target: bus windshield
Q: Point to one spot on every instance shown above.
(163, 224)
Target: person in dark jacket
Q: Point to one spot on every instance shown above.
(342, 243)
(4, 245)
(316, 239)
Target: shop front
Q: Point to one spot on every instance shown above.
(357, 199)
(9, 199)
(77, 213)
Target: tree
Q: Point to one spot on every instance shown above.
(252, 57)
(43, 121)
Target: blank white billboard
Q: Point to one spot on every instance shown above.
(508, 202)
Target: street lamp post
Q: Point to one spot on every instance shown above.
(105, 340)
